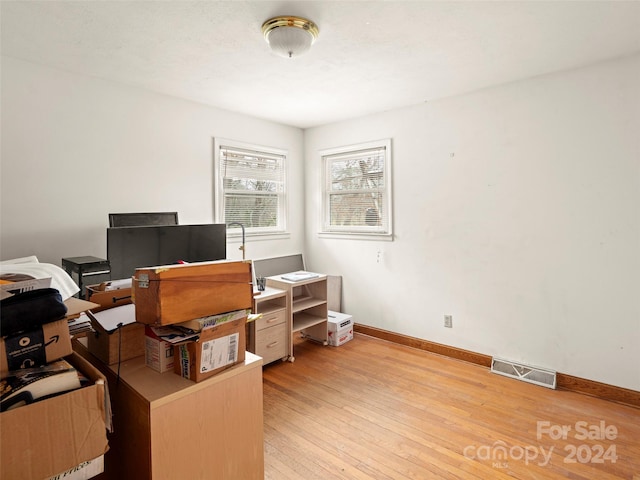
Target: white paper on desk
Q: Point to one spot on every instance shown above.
(298, 276)
(110, 318)
(79, 320)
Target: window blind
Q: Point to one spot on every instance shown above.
(356, 193)
(254, 186)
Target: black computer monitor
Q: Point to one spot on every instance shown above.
(142, 219)
(129, 248)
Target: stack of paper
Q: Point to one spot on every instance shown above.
(299, 276)
(80, 326)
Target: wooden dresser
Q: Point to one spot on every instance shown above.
(167, 427)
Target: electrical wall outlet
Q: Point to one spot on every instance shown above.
(448, 321)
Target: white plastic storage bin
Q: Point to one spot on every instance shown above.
(339, 328)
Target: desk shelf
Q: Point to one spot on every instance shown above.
(307, 311)
(303, 321)
(301, 304)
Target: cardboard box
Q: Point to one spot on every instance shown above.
(158, 354)
(107, 298)
(116, 337)
(339, 328)
(37, 347)
(45, 438)
(76, 306)
(117, 345)
(177, 293)
(217, 349)
(84, 471)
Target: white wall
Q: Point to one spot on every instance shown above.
(76, 148)
(516, 211)
(516, 208)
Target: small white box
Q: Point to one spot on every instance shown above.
(339, 328)
(158, 354)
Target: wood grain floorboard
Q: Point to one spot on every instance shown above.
(372, 409)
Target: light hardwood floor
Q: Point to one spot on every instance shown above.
(371, 409)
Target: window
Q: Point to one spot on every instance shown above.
(250, 186)
(357, 190)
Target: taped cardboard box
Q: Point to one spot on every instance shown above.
(36, 347)
(112, 343)
(42, 345)
(217, 349)
(176, 293)
(45, 438)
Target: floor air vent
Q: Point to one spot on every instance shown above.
(539, 376)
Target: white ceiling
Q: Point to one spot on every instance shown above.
(371, 56)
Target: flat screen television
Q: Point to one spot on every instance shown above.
(129, 248)
(141, 219)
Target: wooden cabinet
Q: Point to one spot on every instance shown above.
(269, 336)
(306, 307)
(167, 427)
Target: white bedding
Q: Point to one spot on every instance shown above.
(60, 280)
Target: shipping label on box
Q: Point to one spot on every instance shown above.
(218, 348)
(158, 354)
(218, 352)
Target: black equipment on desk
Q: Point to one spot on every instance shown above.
(129, 248)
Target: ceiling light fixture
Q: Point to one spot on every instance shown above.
(289, 36)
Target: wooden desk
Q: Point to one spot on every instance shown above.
(270, 336)
(167, 427)
(306, 307)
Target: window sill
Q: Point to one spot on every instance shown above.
(237, 238)
(380, 237)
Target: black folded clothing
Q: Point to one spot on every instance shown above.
(25, 311)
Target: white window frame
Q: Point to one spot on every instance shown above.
(381, 232)
(280, 230)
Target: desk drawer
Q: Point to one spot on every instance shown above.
(271, 319)
(271, 343)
